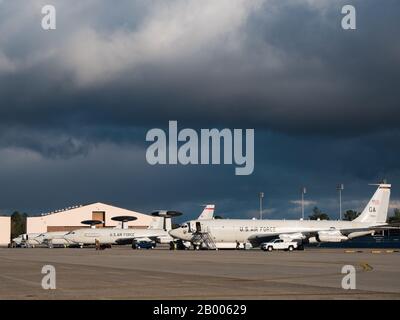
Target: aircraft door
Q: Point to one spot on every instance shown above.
(198, 226)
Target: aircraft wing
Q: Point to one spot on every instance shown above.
(130, 240)
(122, 241)
(260, 238)
(257, 239)
(374, 228)
(147, 239)
(389, 226)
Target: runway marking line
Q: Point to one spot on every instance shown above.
(366, 266)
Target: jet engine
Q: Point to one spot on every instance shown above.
(164, 239)
(329, 236)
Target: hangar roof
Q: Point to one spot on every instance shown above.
(93, 204)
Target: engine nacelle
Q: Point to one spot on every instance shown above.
(312, 240)
(292, 236)
(330, 236)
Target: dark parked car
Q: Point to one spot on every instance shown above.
(143, 245)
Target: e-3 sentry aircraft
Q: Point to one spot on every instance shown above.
(158, 231)
(231, 233)
(55, 238)
(37, 239)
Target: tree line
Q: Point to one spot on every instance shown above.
(18, 223)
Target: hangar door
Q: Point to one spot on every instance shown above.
(99, 215)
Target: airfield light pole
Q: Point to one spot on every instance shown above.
(261, 204)
(340, 188)
(303, 192)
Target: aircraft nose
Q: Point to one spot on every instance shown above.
(175, 233)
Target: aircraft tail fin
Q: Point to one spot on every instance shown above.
(207, 213)
(377, 208)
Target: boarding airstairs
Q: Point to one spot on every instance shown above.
(204, 238)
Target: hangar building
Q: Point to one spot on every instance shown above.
(70, 218)
(5, 230)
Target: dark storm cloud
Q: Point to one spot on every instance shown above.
(280, 65)
(120, 175)
(75, 103)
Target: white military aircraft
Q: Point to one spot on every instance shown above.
(157, 231)
(36, 239)
(231, 233)
(53, 238)
(30, 239)
(57, 238)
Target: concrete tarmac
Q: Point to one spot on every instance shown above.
(123, 273)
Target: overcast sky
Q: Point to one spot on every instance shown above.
(76, 102)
